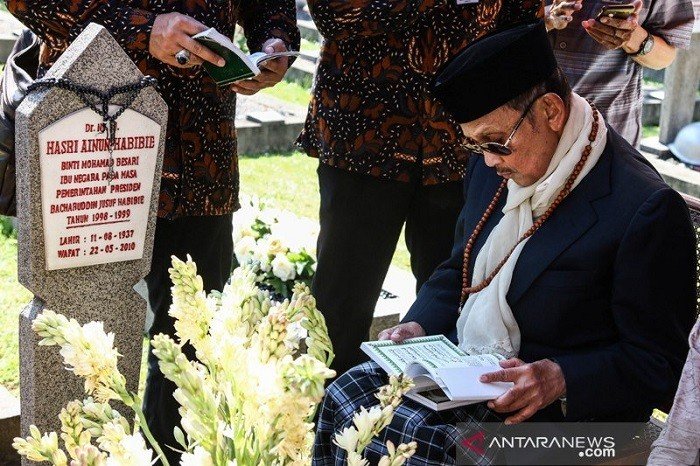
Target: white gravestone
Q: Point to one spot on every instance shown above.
(86, 218)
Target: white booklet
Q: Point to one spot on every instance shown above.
(445, 376)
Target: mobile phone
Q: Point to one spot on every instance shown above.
(616, 10)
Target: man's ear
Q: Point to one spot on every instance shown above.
(555, 111)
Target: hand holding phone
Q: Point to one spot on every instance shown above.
(614, 25)
(616, 10)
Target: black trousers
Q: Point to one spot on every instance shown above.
(208, 240)
(361, 221)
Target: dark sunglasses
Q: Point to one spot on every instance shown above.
(496, 147)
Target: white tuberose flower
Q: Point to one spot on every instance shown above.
(89, 353)
(199, 457)
(123, 448)
(347, 438)
(283, 268)
(355, 459)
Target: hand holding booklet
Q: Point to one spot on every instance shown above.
(445, 376)
(238, 65)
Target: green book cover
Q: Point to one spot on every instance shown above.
(238, 64)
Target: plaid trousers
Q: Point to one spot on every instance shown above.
(435, 432)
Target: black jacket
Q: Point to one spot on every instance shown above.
(606, 286)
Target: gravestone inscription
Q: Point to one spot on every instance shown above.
(96, 205)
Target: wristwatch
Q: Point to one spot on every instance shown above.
(645, 47)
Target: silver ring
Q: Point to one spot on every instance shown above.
(183, 57)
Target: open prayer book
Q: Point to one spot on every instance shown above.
(444, 375)
(238, 64)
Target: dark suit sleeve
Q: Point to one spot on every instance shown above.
(436, 308)
(653, 305)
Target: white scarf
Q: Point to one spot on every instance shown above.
(486, 323)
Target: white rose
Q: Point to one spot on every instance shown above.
(244, 249)
(261, 254)
(241, 231)
(276, 245)
(283, 268)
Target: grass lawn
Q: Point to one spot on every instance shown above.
(649, 131)
(307, 45)
(648, 83)
(13, 297)
(290, 92)
(290, 182)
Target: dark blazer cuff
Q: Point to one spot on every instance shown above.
(592, 386)
(431, 322)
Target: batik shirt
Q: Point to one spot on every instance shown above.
(371, 110)
(200, 166)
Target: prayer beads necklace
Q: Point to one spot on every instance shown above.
(467, 288)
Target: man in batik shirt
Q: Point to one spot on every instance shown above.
(199, 184)
(389, 154)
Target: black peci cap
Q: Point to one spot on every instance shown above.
(494, 70)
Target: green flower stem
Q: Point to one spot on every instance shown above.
(136, 406)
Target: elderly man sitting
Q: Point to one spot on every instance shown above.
(573, 259)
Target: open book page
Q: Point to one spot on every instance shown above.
(424, 376)
(430, 352)
(261, 57)
(394, 358)
(433, 370)
(435, 363)
(461, 383)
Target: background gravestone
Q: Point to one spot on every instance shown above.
(678, 107)
(84, 241)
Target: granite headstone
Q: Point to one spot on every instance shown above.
(86, 218)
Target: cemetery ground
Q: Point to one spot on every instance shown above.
(287, 180)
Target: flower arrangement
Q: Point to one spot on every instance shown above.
(249, 399)
(277, 245)
(255, 390)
